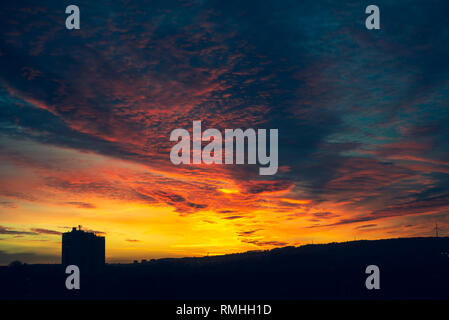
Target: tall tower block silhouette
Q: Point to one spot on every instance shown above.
(83, 249)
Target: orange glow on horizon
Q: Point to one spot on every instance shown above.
(150, 213)
(296, 201)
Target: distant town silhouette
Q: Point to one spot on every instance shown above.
(410, 268)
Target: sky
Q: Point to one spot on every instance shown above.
(86, 116)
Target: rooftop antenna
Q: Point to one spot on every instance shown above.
(79, 227)
(436, 229)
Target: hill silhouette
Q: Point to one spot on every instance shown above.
(410, 268)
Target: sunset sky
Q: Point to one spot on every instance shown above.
(86, 116)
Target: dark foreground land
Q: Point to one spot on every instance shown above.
(410, 268)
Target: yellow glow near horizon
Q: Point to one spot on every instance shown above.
(151, 213)
(229, 191)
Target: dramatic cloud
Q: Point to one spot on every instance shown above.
(45, 231)
(86, 116)
(5, 230)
